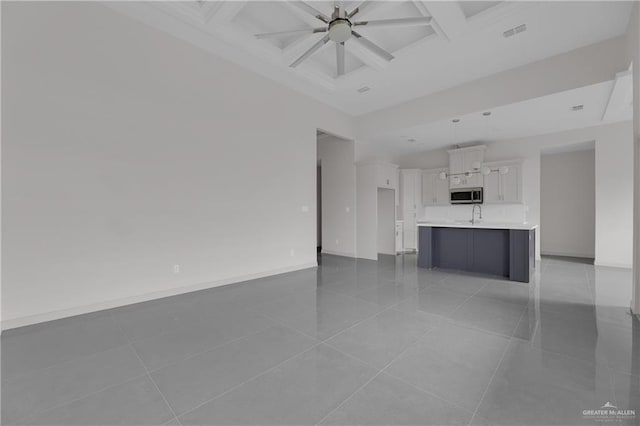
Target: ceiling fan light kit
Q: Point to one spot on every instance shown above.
(339, 30)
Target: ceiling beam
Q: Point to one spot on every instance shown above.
(226, 11)
(357, 49)
(306, 17)
(299, 46)
(450, 22)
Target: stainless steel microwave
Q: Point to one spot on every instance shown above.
(466, 196)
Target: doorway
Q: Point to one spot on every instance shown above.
(335, 195)
(567, 202)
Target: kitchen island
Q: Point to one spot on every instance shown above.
(498, 249)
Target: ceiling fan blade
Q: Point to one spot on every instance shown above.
(400, 22)
(310, 10)
(279, 33)
(340, 58)
(359, 9)
(339, 6)
(311, 51)
(373, 47)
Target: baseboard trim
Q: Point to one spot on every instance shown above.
(613, 265)
(562, 254)
(86, 309)
(337, 253)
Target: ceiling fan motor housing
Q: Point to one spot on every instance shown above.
(339, 30)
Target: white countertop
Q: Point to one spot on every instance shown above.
(478, 224)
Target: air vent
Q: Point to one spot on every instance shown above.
(516, 30)
(577, 108)
(364, 89)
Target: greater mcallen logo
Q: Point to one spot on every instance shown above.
(609, 413)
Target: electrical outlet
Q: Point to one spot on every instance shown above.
(337, 242)
(348, 209)
(292, 252)
(305, 209)
(176, 269)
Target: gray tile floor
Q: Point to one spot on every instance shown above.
(353, 342)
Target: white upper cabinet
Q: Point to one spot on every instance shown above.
(503, 188)
(465, 160)
(435, 191)
(491, 188)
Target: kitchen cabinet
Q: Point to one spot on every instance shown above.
(410, 203)
(435, 191)
(503, 188)
(497, 252)
(463, 160)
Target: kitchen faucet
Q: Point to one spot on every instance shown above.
(473, 213)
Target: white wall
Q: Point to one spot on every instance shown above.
(338, 195)
(366, 211)
(126, 151)
(610, 140)
(386, 221)
(567, 203)
(614, 198)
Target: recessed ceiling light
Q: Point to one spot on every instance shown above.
(411, 140)
(577, 107)
(456, 120)
(364, 89)
(487, 113)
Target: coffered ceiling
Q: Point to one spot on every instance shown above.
(464, 41)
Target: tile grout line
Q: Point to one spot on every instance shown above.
(44, 410)
(409, 346)
(380, 371)
(202, 352)
(293, 357)
(495, 371)
(155, 385)
(23, 376)
(338, 332)
(231, 389)
(465, 301)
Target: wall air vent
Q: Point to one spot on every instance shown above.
(577, 108)
(516, 30)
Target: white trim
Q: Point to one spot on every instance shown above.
(613, 265)
(85, 309)
(337, 253)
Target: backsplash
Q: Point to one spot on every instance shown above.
(490, 213)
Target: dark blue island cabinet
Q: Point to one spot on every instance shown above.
(508, 253)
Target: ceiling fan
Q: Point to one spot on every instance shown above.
(340, 28)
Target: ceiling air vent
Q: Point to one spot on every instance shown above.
(577, 108)
(364, 89)
(516, 30)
